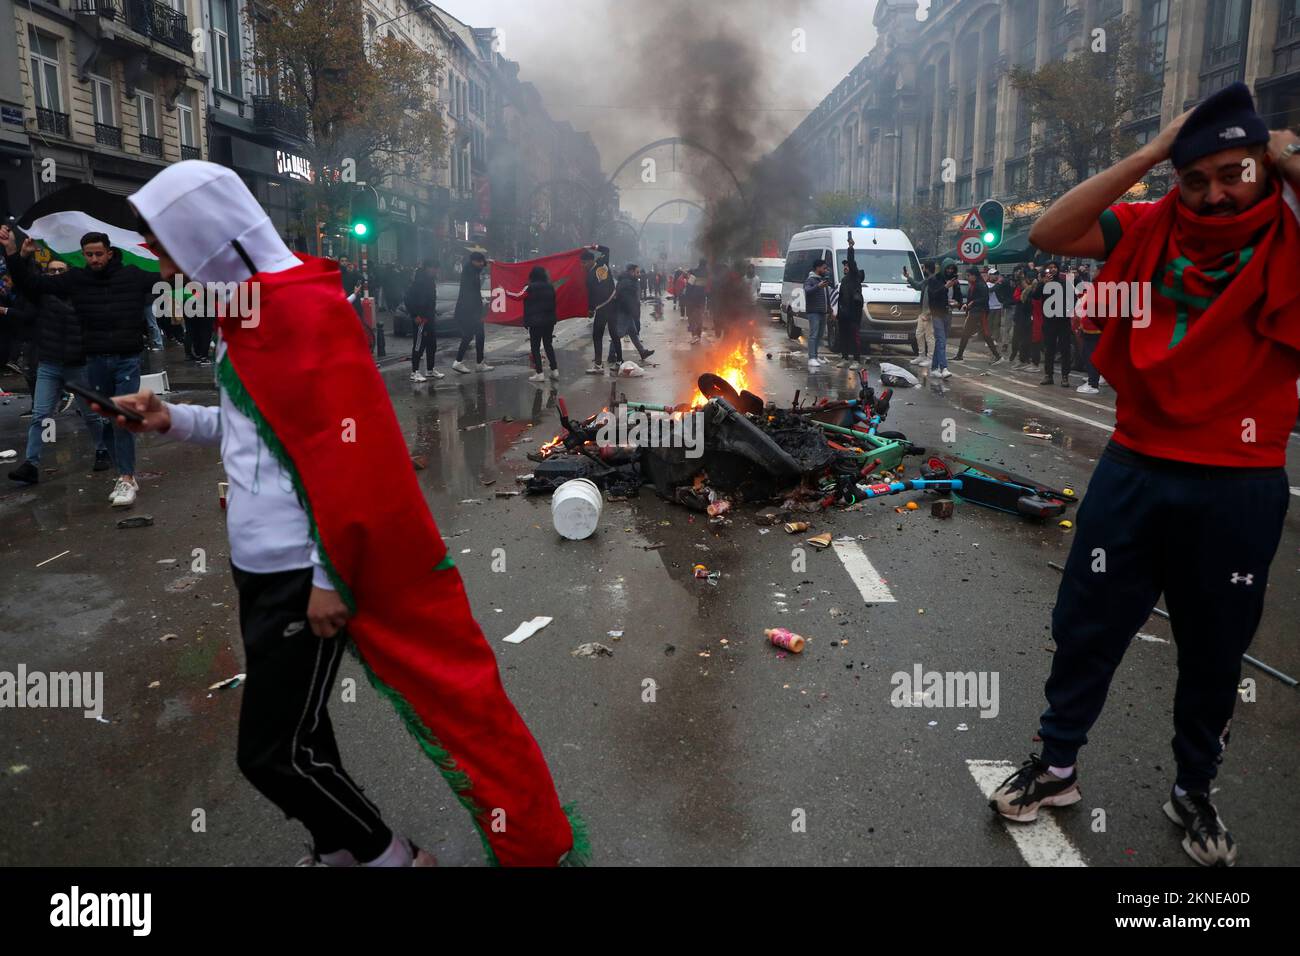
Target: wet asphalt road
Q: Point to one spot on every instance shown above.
(740, 742)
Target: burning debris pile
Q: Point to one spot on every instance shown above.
(729, 446)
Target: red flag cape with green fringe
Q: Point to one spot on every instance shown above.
(325, 414)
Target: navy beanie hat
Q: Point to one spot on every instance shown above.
(1224, 121)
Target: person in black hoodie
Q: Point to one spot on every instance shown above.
(112, 301)
(469, 313)
(977, 317)
(539, 320)
(849, 321)
(422, 306)
(58, 339)
(627, 298)
(1055, 296)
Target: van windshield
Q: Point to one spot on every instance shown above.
(880, 265)
(770, 273)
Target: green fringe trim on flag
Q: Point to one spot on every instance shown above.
(457, 779)
(580, 855)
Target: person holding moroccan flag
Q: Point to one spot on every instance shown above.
(319, 567)
(1190, 495)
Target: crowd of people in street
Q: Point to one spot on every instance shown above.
(1022, 319)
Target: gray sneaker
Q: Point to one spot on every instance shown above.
(1032, 786)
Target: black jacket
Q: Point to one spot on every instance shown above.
(111, 303)
(850, 301)
(600, 289)
(627, 297)
(422, 296)
(539, 305)
(979, 294)
(58, 332)
(469, 301)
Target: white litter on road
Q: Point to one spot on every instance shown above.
(1041, 843)
(870, 584)
(1152, 638)
(899, 374)
(526, 630)
(55, 558)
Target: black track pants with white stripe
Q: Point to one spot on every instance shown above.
(286, 741)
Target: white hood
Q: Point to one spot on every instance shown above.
(210, 224)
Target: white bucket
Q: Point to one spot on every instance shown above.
(156, 383)
(575, 509)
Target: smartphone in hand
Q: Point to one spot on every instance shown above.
(103, 401)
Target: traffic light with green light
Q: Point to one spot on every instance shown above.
(363, 216)
(994, 217)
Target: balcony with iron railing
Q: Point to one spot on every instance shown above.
(149, 18)
(52, 121)
(190, 152)
(271, 112)
(106, 135)
(151, 146)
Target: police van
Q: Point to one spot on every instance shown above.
(891, 306)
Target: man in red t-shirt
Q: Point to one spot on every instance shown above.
(1196, 298)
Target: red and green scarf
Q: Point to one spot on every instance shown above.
(1223, 341)
(325, 414)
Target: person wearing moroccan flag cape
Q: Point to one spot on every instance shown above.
(1190, 496)
(304, 423)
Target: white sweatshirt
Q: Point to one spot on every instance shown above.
(215, 231)
(267, 525)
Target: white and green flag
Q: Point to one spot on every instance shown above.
(62, 218)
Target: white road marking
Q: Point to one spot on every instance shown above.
(1043, 405)
(1296, 492)
(870, 584)
(1082, 401)
(1041, 843)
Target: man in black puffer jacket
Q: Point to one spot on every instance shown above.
(111, 300)
(61, 359)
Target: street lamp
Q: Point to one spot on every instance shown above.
(898, 175)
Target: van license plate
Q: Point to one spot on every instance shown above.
(894, 336)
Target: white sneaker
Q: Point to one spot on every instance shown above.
(128, 489)
(596, 369)
(1086, 389)
(117, 488)
(417, 377)
(460, 367)
(944, 373)
(434, 373)
(997, 361)
(842, 365)
(555, 374)
(919, 360)
(854, 367)
(484, 367)
(538, 377)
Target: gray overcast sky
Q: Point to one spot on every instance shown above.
(582, 55)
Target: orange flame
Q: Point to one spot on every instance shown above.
(733, 371)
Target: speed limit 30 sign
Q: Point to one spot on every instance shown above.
(971, 249)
